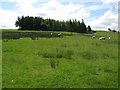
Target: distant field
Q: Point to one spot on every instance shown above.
(73, 61)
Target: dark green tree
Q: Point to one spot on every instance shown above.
(109, 29)
(83, 27)
(89, 30)
(38, 23)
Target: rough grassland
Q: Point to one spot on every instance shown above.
(76, 61)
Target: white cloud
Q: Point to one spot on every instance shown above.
(81, 1)
(29, 1)
(97, 7)
(25, 7)
(110, 1)
(55, 10)
(108, 20)
(7, 19)
(52, 9)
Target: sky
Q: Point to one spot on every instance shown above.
(99, 14)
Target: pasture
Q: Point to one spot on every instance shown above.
(71, 61)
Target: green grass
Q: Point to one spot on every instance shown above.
(0, 64)
(76, 61)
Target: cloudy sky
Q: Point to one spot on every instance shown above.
(99, 14)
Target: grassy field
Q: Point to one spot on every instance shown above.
(0, 64)
(76, 61)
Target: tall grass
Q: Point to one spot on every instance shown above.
(58, 53)
(54, 63)
(76, 61)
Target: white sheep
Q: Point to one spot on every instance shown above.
(93, 36)
(51, 33)
(12, 81)
(102, 38)
(59, 34)
(109, 37)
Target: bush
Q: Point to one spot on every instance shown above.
(54, 63)
(33, 38)
(5, 40)
(114, 31)
(48, 55)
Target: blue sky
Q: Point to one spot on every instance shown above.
(99, 14)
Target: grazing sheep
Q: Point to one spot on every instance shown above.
(51, 33)
(59, 34)
(12, 80)
(102, 38)
(93, 36)
(109, 37)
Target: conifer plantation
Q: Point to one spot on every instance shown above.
(40, 24)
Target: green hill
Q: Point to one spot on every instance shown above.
(72, 61)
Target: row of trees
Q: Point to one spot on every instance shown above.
(111, 30)
(38, 23)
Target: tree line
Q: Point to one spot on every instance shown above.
(38, 23)
(111, 30)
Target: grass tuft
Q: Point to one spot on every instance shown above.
(54, 63)
(89, 55)
(68, 54)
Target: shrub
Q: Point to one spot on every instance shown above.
(48, 55)
(54, 63)
(5, 40)
(114, 31)
(33, 38)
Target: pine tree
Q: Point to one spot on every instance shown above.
(38, 23)
(83, 27)
(89, 30)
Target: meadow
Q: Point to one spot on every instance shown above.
(72, 61)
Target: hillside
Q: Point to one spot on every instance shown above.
(71, 61)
